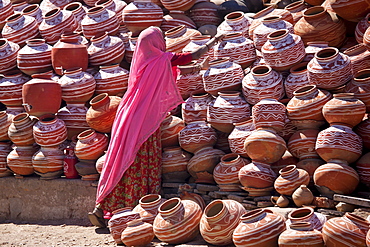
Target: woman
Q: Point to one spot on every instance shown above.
(132, 167)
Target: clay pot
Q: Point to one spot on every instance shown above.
(297, 78)
(306, 214)
(348, 230)
(55, 22)
(260, 226)
(339, 142)
(49, 131)
(268, 25)
(9, 59)
(36, 95)
(219, 220)
(78, 11)
(222, 75)
(280, 201)
(69, 53)
(11, 88)
(226, 172)
(235, 22)
(98, 21)
(205, 13)
(353, 11)
(193, 197)
(118, 223)
(196, 135)
(191, 83)
(302, 143)
(100, 116)
(115, 6)
(310, 165)
(91, 145)
(35, 57)
(148, 207)
(182, 5)
(20, 130)
(302, 196)
(171, 126)
(287, 159)
(363, 169)
(5, 121)
(265, 145)
(74, 117)
(290, 179)
(5, 149)
(87, 170)
(175, 165)
(337, 176)
(138, 10)
(313, 47)
(177, 221)
(314, 2)
(196, 42)
(327, 64)
(301, 234)
(111, 79)
(228, 108)
(257, 175)
(262, 82)
(176, 18)
(296, 9)
(359, 57)
(269, 113)
(48, 162)
(18, 7)
(19, 160)
(305, 109)
(359, 86)
(361, 28)
(195, 107)
(6, 10)
(137, 233)
(178, 37)
(237, 137)
(20, 28)
(47, 5)
(202, 164)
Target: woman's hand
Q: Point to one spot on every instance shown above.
(205, 63)
(219, 37)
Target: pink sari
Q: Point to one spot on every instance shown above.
(152, 92)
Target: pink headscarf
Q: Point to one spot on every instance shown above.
(152, 92)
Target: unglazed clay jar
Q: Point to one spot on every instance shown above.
(306, 214)
(290, 179)
(269, 113)
(257, 175)
(359, 56)
(235, 22)
(237, 137)
(359, 85)
(148, 207)
(301, 234)
(170, 129)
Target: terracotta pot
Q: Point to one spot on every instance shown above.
(237, 137)
(290, 179)
(319, 24)
(314, 2)
(313, 47)
(257, 175)
(327, 64)
(87, 170)
(361, 28)
(265, 145)
(228, 108)
(301, 234)
(363, 169)
(137, 233)
(262, 82)
(235, 22)
(91, 145)
(310, 165)
(226, 172)
(5, 121)
(191, 83)
(177, 221)
(240, 49)
(48, 162)
(296, 9)
(348, 230)
(205, 13)
(178, 37)
(193, 197)
(359, 86)
(19, 160)
(5, 149)
(171, 126)
(222, 75)
(285, 160)
(20, 130)
(196, 135)
(78, 11)
(219, 220)
(36, 95)
(148, 207)
(306, 214)
(98, 21)
(359, 57)
(48, 5)
(339, 142)
(176, 18)
(35, 57)
(115, 6)
(69, 53)
(74, 117)
(222, 141)
(11, 88)
(20, 28)
(118, 223)
(100, 163)
(302, 196)
(111, 79)
(195, 107)
(9, 59)
(305, 109)
(302, 143)
(182, 5)
(268, 25)
(6, 10)
(297, 78)
(130, 48)
(337, 176)
(13, 111)
(100, 116)
(175, 165)
(259, 226)
(55, 22)
(269, 113)
(280, 201)
(49, 131)
(198, 41)
(353, 11)
(138, 10)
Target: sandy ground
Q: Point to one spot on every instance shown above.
(51, 235)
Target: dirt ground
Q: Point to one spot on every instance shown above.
(51, 234)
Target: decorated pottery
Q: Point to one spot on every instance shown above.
(197, 42)
(111, 79)
(48, 5)
(11, 88)
(235, 22)
(238, 135)
(219, 220)
(363, 169)
(48, 162)
(359, 86)
(302, 143)
(351, 11)
(74, 117)
(20, 130)
(178, 37)
(91, 145)
(170, 129)
(257, 175)
(78, 11)
(5, 149)
(9, 51)
(19, 160)
(190, 83)
(6, 10)
(182, 5)
(285, 160)
(98, 21)
(175, 165)
(195, 107)
(297, 78)
(205, 13)
(35, 57)
(359, 57)
(137, 233)
(148, 207)
(312, 47)
(306, 214)
(301, 234)
(296, 9)
(118, 223)
(176, 18)
(269, 113)
(49, 131)
(290, 179)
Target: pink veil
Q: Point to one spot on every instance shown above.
(152, 92)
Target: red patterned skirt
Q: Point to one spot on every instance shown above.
(141, 178)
